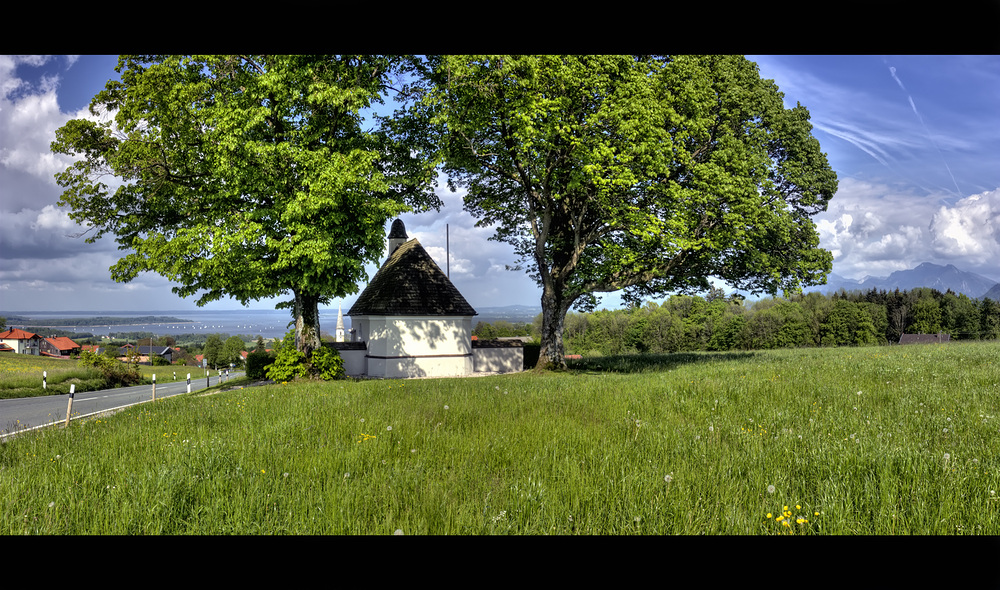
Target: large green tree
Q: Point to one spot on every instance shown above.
(249, 176)
(231, 351)
(212, 352)
(641, 174)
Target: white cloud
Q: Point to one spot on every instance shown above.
(898, 244)
(875, 229)
(54, 219)
(30, 125)
(969, 230)
(45, 233)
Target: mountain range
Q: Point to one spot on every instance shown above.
(933, 276)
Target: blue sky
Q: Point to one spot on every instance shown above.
(915, 141)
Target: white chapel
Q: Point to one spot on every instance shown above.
(412, 319)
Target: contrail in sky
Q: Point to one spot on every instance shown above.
(913, 106)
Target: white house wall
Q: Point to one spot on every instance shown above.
(354, 362)
(409, 367)
(416, 346)
(507, 359)
(22, 346)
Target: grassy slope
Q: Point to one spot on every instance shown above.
(21, 375)
(891, 440)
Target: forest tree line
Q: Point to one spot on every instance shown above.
(718, 323)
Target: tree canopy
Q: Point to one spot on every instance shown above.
(641, 174)
(243, 176)
(212, 351)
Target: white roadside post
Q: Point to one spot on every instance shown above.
(45, 378)
(189, 382)
(154, 387)
(69, 406)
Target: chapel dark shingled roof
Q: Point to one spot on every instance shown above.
(411, 283)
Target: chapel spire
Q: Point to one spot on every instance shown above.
(340, 322)
(397, 235)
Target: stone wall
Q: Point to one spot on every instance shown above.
(497, 356)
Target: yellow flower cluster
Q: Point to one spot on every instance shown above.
(786, 517)
(365, 437)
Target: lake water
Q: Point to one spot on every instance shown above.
(269, 323)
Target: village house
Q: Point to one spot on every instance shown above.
(938, 338)
(142, 354)
(411, 321)
(148, 352)
(60, 346)
(20, 341)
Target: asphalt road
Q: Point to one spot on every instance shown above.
(36, 412)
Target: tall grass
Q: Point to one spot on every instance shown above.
(872, 441)
(21, 375)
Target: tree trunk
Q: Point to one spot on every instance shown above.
(306, 323)
(552, 356)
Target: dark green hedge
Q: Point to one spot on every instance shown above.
(257, 363)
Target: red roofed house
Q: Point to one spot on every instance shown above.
(58, 346)
(20, 341)
(94, 348)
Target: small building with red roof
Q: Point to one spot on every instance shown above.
(21, 342)
(59, 346)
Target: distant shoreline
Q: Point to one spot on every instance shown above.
(37, 325)
(95, 321)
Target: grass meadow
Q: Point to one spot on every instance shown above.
(846, 441)
(21, 375)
